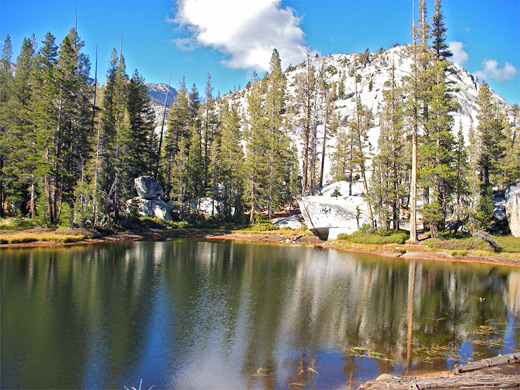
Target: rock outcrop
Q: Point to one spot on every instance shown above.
(512, 196)
(147, 202)
(291, 222)
(205, 206)
(147, 187)
(335, 211)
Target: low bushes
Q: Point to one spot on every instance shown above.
(364, 237)
(508, 244)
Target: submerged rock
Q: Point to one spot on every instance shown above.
(512, 196)
(147, 187)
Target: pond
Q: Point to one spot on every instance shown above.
(186, 314)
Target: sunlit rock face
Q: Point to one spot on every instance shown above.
(513, 208)
(147, 187)
(147, 202)
(205, 206)
(335, 211)
(291, 222)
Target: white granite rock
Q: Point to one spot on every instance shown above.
(291, 222)
(147, 187)
(513, 208)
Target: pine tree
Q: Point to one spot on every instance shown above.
(108, 159)
(306, 94)
(391, 164)
(6, 96)
(257, 142)
(209, 125)
(175, 141)
(437, 172)
(74, 117)
(510, 164)
(439, 45)
(491, 141)
(359, 126)
(195, 166)
(277, 139)
(45, 112)
(18, 137)
(463, 173)
(341, 156)
(417, 86)
(230, 161)
(140, 149)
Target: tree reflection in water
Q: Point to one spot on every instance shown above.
(205, 314)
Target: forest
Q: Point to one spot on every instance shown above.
(71, 146)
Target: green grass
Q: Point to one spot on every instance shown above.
(465, 243)
(17, 223)
(25, 237)
(389, 237)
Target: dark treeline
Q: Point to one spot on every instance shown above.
(70, 148)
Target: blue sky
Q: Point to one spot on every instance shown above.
(231, 38)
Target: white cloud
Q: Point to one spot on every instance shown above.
(491, 70)
(459, 54)
(247, 31)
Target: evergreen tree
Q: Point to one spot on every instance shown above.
(45, 111)
(437, 172)
(391, 164)
(209, 125)
(277, 139)
(439, 45)
(257, 142)
(175, 140)
(510, 163)
(195, 166)
(463, 174)
(491, 151)
(305, 95)
(341, 156)
(359, 126)
(417, 86)
(140, 148)
(18, 137)
(230, 158)
(74, 116)
(6, 96)
(108, 160)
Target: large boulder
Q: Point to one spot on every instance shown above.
(327, 217)
(512, 196)
(147, 187)
(205, 206)
(291, 222)
(155, 208)
(499, 208)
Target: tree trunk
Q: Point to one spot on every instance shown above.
(413, 190)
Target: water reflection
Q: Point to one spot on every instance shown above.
(188, 314)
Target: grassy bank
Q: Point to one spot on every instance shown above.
(458, 245)
(20, 231)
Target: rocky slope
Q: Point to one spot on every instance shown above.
(373, 75)
(158, 94)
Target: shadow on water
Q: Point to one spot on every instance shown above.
(206, 315)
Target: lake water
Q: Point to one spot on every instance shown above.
(189, 314)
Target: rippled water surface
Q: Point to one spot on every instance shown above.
(211, 315)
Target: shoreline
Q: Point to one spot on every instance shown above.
(407, 251)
